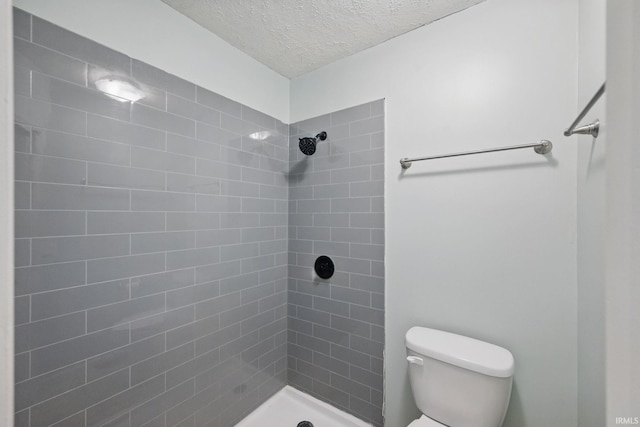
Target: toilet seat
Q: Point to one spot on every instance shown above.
(425, 421)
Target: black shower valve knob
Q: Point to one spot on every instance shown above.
(324, 267)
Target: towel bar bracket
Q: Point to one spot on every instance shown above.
(593, 128)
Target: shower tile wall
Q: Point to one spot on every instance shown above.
(336, 208)
(151, 250)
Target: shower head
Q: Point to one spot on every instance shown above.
(308, 145)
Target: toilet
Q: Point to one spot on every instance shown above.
(458, 381)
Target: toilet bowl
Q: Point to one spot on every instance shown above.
(458, 381)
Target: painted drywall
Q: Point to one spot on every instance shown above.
(591, 216)
(622, 293)
(481, 245)
(151, 31)
(6, 215)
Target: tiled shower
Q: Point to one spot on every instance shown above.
(336, 207)
(164, 248)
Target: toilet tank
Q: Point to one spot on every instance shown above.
(459, 381)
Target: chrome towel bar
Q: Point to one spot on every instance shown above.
(542, 147)
(592, 128)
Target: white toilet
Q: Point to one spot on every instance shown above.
(458, 381)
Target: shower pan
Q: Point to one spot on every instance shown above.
(290, 407)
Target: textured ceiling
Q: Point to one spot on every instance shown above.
(294, 37)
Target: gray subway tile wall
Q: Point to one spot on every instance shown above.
(336, 326)
(164, 249)
(151, 244)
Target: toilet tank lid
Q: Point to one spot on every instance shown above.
(458, 350)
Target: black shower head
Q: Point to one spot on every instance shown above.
(308, 145)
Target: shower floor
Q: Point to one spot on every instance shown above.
(289, 406)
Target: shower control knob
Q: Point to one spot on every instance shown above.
(324, 267)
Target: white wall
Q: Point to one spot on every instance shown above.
(6, 215)
(591, 216)
(481, 245)
(622, 293)
(153, 32)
